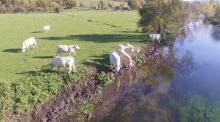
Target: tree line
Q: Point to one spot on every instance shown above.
(36, 5)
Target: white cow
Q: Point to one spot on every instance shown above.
(126, 59)
(46, 28)
(115, 61)
(67, 49)
(29, 43)
(155, 37)
(129, 49)
(135, 50)
(65, 62)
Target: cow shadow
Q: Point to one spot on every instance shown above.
(101, 63)
(43, 57)
(33, 73)
(102, 38)
(37, 32)
(12, 50)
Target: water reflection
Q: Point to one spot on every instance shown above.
(216, 33)
(179, 83)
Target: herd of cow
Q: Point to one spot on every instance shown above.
(122, 57)
(119, 58)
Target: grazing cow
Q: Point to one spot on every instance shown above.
(115, 61)
(46, 28)
(65, 62)
(67, 49)
(126, 60)
(29, 43)
(135, 50)
(129, 49)
(155, 37)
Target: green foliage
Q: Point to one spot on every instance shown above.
(163, 17)
(198, 110)
(134, 4)
(101, 4)
(84, 111)
(104, 79)
(194, 111)
(217, 12)
(36, 88)
(5, 97)
(214, 21)
(70, 3)
(28, 5)
(139, 59)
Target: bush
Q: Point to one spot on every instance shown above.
(9, 8)
(70, 3)
(167, 39)
(5, 96)
(35, 9)
(3, 9)
(19, 9)
(58, 9)
(117, 8)
(104, 79)
(217, 12)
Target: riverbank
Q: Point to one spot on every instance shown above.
(72, 95)
(214, 21)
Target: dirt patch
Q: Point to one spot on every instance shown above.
(69, 96)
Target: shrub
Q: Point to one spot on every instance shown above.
(217, 12)
(70, 3)
(104, 79)
(35, 9)
(2, 9)
(101, 4)
(5, 96)
(19, 9)
(9, 8)
(58, 9)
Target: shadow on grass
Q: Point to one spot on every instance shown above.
(12, 50)
(102, 38)
(37, 72)
(28, 72)
(37, 32)
(101, 63)
(43, 57)
(129, 31)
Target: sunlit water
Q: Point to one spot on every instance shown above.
(184, 86)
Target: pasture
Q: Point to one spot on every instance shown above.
(96, 33)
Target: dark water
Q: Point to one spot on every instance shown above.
(182, 86)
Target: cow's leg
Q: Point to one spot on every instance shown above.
(74, 69)
(58, 68)
(70, 70)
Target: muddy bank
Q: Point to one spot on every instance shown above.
(72, 95)
(129, 83)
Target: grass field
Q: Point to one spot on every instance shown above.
(97, 33)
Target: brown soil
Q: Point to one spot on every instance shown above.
(70, 96)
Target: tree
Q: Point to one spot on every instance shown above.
(134, 4)
(208, 9)
(165, 17)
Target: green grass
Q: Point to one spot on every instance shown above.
(97, 33)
